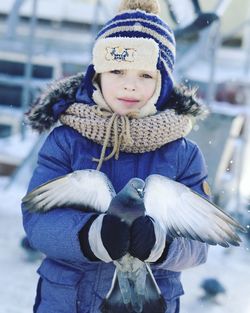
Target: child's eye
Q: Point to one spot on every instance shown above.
(116, 72)
(145, 75)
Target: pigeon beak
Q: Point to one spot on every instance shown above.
(140, 192)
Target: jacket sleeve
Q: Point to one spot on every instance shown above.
(192, 172)
(55, 233)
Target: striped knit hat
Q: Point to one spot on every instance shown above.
(136, 38)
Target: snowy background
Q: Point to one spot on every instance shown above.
(18, 274)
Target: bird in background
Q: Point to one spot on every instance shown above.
(178, 210)
(212, 288)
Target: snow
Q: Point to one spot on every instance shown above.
(18, 275)
(14, 148)
(231, 268)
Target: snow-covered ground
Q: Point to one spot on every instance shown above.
(231, 267)
(18, 276)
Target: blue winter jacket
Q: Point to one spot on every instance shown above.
(70, 283)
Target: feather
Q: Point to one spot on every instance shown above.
(77, 189)
(184, 213)
(152, 298)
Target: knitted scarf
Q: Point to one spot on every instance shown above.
(124, 133)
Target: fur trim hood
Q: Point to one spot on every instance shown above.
(41, 117)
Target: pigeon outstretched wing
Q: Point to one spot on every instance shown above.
(81, 189)
(184, 213)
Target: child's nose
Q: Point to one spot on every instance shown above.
(129, 88)
(129, 84)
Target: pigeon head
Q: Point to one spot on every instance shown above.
(135, 188)
(128, 203)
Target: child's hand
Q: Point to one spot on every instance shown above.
(105, 238)
(143, 239)
(115, 236)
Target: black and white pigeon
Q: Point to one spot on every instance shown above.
(180, 212)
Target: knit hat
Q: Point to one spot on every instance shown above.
(136, 38)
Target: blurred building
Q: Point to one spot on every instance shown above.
(60, 46)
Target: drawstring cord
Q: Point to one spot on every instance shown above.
(124, 137)
(127, 133)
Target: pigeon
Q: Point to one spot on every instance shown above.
(179, 211)
(212, 288)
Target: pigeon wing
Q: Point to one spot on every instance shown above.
(83, 189)
(184, 213)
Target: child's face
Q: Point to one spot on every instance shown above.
(128, 90)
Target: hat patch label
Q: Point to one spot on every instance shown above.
(120, 54)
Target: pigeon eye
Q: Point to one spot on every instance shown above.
(134, 186)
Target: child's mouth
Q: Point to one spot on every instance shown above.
(128, 101)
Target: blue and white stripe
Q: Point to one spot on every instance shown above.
(136, 24)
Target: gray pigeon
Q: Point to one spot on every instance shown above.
(180, 211)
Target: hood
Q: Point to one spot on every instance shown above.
(59, 95)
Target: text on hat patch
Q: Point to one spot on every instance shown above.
(120, 54)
